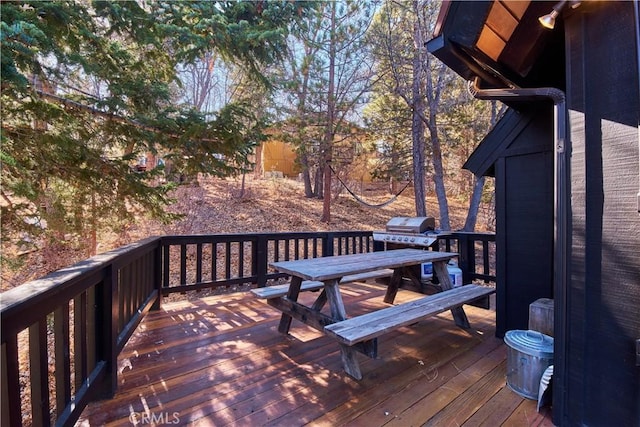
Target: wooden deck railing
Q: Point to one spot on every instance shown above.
(61, 334)
(477, 254)
(206, 261)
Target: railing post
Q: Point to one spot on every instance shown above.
(157, 275)
(327, 245)
(259, 260)
(464, 256)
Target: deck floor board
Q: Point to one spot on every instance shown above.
(219, 360)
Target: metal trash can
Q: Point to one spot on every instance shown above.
(529, 353)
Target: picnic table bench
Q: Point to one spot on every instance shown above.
(276, 291)
(376, 323)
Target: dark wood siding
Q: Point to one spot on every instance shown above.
(524, 205)
(602, 381)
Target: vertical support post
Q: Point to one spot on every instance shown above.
(466, 256)
(327, 245)
(259, 262)
(11, 402)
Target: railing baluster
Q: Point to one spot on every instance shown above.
(199, 263)
(240, 259)
(183, 264)
(121, 300)
(63, 359)
(91, 328)
(129, 305)
(227, 261)
(166, 264)
(286, 250)
(276, 250)
(214, 261)
(80, 339)
(39, 373)
(485, 258)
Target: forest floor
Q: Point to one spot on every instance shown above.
(214, 205)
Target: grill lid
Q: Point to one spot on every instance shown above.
(417, 224)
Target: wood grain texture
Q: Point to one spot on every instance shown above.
(220, 361)
(336, 267)
(379, 322)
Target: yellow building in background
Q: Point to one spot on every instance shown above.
(275, 157)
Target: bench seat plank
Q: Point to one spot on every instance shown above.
(376, 274)
(281, 290)
(374, 324)
(312, 285)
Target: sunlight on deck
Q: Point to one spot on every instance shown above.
(220, 361)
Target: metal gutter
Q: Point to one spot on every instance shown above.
(636, 14)
(561, 205)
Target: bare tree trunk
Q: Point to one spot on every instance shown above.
(474, 205)
(306, 175)
(438, 176)
(242, 186)
(318, 180)
(432, 95)
(476, 196)
(328, 136)
(257, 171)
(417, 135)
(93, 240)
(417, 125)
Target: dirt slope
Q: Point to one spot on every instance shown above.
(214, 206)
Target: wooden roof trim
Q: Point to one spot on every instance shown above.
(442, 16)
(481, 161)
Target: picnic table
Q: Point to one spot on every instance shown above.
(359, 333)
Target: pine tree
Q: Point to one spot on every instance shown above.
(87, 90)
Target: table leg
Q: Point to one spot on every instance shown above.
(338, 313)
(320, 301)
(460, 317)
(394, 284)
(292, 295)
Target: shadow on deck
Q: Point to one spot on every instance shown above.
(220, 361)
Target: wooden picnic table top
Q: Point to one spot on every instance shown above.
(338, 266)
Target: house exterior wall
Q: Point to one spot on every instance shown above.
(278, 156)
(524, 222)
(599, 382)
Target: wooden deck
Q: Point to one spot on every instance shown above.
(220, 361)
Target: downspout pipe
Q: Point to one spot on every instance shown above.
(636, 14)
(561, 203)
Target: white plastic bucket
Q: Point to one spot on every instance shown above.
(426, 271)
(455, 274)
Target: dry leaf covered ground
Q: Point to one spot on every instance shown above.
(213, 206)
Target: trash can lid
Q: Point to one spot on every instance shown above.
(533, 343)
